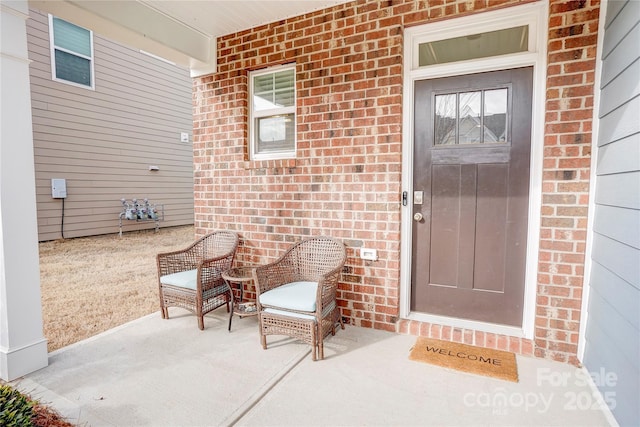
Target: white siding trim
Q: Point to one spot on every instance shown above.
(591, 210)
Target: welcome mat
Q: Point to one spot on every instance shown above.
(467, 358)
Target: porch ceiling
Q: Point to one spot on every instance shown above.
(182, 31)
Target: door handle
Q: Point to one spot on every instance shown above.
(418, 217)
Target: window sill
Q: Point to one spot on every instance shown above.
(270, 163)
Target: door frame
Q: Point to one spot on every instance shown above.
(535, 15)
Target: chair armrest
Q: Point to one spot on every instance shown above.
(177, 261)
(190, 257)
(327, 288)
(210, 271)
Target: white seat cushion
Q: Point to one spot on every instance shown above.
(300, 296)
(290, 314)
(184, 279)
(325, 313)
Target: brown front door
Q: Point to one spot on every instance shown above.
(471, 195)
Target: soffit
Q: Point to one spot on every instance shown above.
(221, 17)
(182, 31)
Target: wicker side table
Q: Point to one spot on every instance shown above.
(239, 276)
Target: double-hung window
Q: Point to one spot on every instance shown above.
(71, 53)
(272, 121)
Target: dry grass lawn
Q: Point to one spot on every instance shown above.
(92, 284)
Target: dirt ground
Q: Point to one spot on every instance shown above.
(92, 284)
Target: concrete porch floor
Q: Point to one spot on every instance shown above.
(169, 373)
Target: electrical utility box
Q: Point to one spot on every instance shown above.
(59, 188)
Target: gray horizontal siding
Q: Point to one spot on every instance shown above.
(619, 294)
(623, 88)
(623, 156)
(620, 123)
(619, 224)
(612, 340)
(622, 57)
(103, 141)
(601, 309)
(619, 258)
(605, 358)
(619, 190)
(619, 23)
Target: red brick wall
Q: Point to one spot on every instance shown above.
(346, 178)
(573, 33)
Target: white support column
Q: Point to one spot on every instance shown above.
(23, 348)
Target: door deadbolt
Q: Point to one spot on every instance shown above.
(418, 217)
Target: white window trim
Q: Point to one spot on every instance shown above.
(289, 154)
(52, 51)
(535, 15)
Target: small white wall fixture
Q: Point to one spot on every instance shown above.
(23, 348)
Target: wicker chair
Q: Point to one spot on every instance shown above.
(191, 278)
(296, 295)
